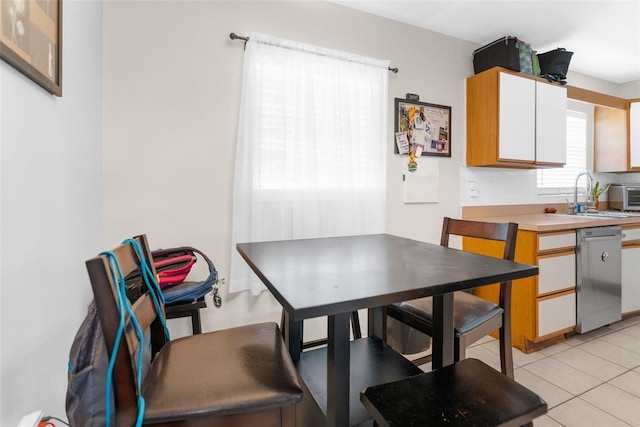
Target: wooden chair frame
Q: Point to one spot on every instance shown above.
(504, 232)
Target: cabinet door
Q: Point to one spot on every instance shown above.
(551, 123)
(634, 135)
(517, 118)
(556, 314)
(630, 279)
(557, 272)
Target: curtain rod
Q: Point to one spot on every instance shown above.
(234, 36)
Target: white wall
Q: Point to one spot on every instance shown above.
(51, 203)
(172, 87)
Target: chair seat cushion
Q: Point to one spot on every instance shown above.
(467, 393)
(469, 312)
(220, 373)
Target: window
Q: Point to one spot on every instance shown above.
(562, 180)
(311, 149)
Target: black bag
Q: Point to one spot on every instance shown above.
(503, 52)
(555, 63)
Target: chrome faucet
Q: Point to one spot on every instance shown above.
(575, 191)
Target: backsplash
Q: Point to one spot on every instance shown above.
(495, 186)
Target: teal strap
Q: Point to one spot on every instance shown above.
(123, 306)
(152, 285)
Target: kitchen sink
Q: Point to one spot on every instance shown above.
(605, 214)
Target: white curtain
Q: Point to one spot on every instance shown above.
(312, 138)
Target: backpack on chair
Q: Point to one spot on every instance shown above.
(88, 362)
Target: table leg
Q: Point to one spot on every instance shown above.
(442, 345)
(376, 322)
(292, 332)
(338, 370)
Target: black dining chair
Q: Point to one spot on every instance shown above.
(474, 317)
(468, 393)
(241, 376)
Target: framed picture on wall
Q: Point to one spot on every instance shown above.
(31, 40)
(422, 128)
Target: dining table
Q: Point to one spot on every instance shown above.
(335, 276)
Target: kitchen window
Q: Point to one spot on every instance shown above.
(311, 149)
(579, 138)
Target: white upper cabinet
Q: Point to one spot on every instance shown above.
(551, 124)
(517, 118)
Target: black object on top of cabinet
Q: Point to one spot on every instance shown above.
(503, 52)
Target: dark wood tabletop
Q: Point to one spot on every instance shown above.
(318, 277)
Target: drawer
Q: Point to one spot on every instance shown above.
(631, 234)
(553, 241)
(557, 272)
(556, 313)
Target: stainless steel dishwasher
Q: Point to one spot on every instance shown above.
(599, 277)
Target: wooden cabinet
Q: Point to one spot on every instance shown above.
(634, 134)
(515, 121)
(616, 136)
(543, 307)
(631, 269)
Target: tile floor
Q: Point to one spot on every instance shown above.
(589, 380)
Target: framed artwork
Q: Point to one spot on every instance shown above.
(421, 128)
(31, 40)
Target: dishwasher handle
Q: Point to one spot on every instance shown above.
(601, 238)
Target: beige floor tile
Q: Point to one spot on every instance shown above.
(488, 357)
(614, 401)
(562, 375)
(612, 353)
(588, 363)
(629, 382)
(600, 332)
(579, 339)
(523, 359)
(627, 322)
(550, 351)
(551, 393)
(578, 413)
(484, 340)
(619, 325)
(623, 340)
(633, 330)
(546, 421)
(519, 358)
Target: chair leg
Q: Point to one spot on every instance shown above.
(459, 349)
(506, 352)
(355, 325)
(196, 324)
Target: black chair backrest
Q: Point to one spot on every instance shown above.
(104, 285)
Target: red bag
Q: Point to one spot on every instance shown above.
(172, 268)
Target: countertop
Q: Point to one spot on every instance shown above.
(555, 222)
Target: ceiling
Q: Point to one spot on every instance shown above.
(604, 35)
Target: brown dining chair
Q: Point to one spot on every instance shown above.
(474, 317)
(241, 376)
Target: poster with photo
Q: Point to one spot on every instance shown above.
(427, 127)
